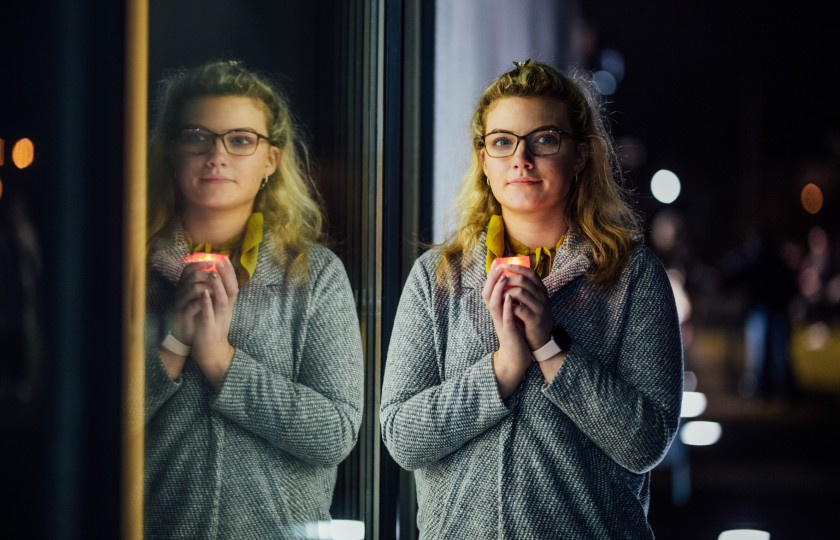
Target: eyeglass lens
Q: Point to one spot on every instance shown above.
(540, 143)
(201, 141)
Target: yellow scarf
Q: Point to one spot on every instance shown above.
(541, 258)
(243, 249)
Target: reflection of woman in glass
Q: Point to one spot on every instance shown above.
(253, 378)
(532, 402)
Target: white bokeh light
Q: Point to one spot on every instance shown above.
(744, 534)
(693, 404)
(665, 186)
(700, 433)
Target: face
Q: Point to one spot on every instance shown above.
(217, 180)
(524, 183)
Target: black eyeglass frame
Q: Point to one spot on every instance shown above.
(212, 144)
(519, 138)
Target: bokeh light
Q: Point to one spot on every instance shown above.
(605, 81)
(700, 433)
(693, 404)
(812, 198)
(665, 186)
(817, 336)
(336, 529)
(612, 61)
(2, 152)
(23, 153)
(677, 279)
(689, 381)
(1, 188)
(744, 534)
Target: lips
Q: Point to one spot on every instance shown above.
(524, 180)
(215, 179)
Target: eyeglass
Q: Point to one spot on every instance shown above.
(238, 142)
(540, 142)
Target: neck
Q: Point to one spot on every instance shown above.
(211, 227)
(535, 231)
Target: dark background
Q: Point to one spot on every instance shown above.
(738, 98)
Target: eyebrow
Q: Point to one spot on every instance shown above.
(205, 128)
(547, 126)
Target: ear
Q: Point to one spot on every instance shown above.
(482, 157)
(272, 160)
(581, 156)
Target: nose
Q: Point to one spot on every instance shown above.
(218, 154)
(522, 156)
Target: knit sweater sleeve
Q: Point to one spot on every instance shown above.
(632, 411)
(315, 417)
(425, 417)
(159, 387)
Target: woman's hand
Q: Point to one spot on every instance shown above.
(530, 304)
(533, 308)
(513, 358)
(192, 287)
(211, 349)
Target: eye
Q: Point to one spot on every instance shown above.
(194, 136)
(241, 139)
(500, 140)
(546, 138)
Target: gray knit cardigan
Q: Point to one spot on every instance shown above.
(565, 460)
(258, 457)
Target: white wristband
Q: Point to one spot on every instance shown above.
(171, 344)
(547, 351)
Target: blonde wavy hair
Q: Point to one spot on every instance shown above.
(596, 206)
(290, 204)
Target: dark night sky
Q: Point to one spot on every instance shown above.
(738, 99)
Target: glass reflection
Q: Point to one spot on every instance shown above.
(253, 356)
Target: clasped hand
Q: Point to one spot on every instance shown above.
(519, 306)
(202, 315)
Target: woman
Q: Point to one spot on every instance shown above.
(532, 402)
(254, 377)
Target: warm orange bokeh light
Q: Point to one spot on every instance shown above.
(2, 152)
(812, 198)
(1, 188)
(23, 153)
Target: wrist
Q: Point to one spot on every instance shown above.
(175, 345)
(558, 342)
(216, 367)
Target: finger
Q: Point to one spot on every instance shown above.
(497, 295)
(490, 283)
(518, 269)
(511, 324)
(194, 270)
(508, 317)
(187, 293)
(229, 281)
(534, 301)
(525, 278)
(207, 313)
(219, 294)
